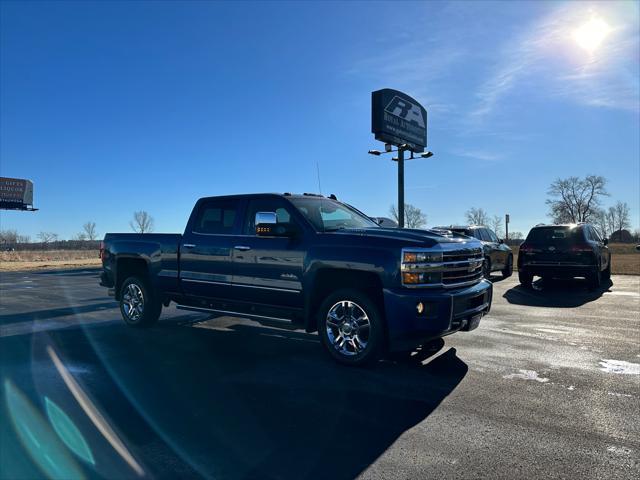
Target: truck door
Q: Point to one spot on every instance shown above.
(206, 260)
(268, 270)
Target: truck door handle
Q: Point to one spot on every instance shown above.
(242, 248)
(189, 245)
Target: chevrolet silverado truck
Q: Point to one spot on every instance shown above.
(308, 259)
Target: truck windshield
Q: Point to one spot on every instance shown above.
(328, 215)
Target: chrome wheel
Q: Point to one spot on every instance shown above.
(133, 302)
(348, 328)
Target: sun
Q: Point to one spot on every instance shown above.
(590, 35)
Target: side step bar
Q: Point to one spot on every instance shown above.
(235, 314)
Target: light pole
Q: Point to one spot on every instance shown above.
(401, 185)
(400, 159)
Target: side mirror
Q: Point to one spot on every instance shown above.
(267, 226)
(605, 241)
(501, 240)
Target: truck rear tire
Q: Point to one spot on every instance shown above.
(138, 305)
(351, 327)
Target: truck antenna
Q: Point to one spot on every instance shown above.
(318, 172)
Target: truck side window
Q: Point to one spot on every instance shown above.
(266, 205)
(216, 218)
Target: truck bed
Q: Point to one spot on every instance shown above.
(160, 251)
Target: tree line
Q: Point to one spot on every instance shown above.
(87, 238)
(570, 200)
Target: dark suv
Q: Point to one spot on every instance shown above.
(567, 251)
(497, 255)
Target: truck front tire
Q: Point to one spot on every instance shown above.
(351, 327)
(138, 305)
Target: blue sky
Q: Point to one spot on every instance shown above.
(115, 107)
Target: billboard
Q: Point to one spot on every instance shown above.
(16, 193)
(397, 118)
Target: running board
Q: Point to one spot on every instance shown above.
(235, 314)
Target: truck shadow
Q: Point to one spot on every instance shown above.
(252, 402)
(561, 293)
(51, 313)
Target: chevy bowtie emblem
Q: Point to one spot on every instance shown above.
(552, 249)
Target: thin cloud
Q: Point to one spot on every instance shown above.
(417, 67)
(482, 155)
(547, 56)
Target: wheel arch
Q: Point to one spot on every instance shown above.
(327, 280)
(129, 266)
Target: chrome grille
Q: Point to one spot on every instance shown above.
(454, 268)
(465, 267)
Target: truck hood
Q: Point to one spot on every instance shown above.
(409, 237)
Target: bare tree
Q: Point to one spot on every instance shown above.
(81, 236)
(620, 217)
(477, 216)
(47, 237)
(576, 199)
(413, 216)
(90, 230)
(142, 222)
(8, 237)
(603, 221)
(516, 236)
(496, 225)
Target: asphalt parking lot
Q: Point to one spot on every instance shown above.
(547, 387)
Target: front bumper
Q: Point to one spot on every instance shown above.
(445, 312)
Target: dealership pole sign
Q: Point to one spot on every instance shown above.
(16, 194)
(398, 119)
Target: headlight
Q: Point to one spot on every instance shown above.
(421, 257)
(410, 278)
(421, 268)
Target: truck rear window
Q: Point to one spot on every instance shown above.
(215, 219)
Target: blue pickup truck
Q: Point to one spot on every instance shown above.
(309, 259)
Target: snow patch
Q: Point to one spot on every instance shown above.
(619, 394)
(620, 367)
(527, 375)
(619, 450)
(624, 294)
(551, 330)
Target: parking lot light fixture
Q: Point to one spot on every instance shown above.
(426, 154)
(375, 152)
